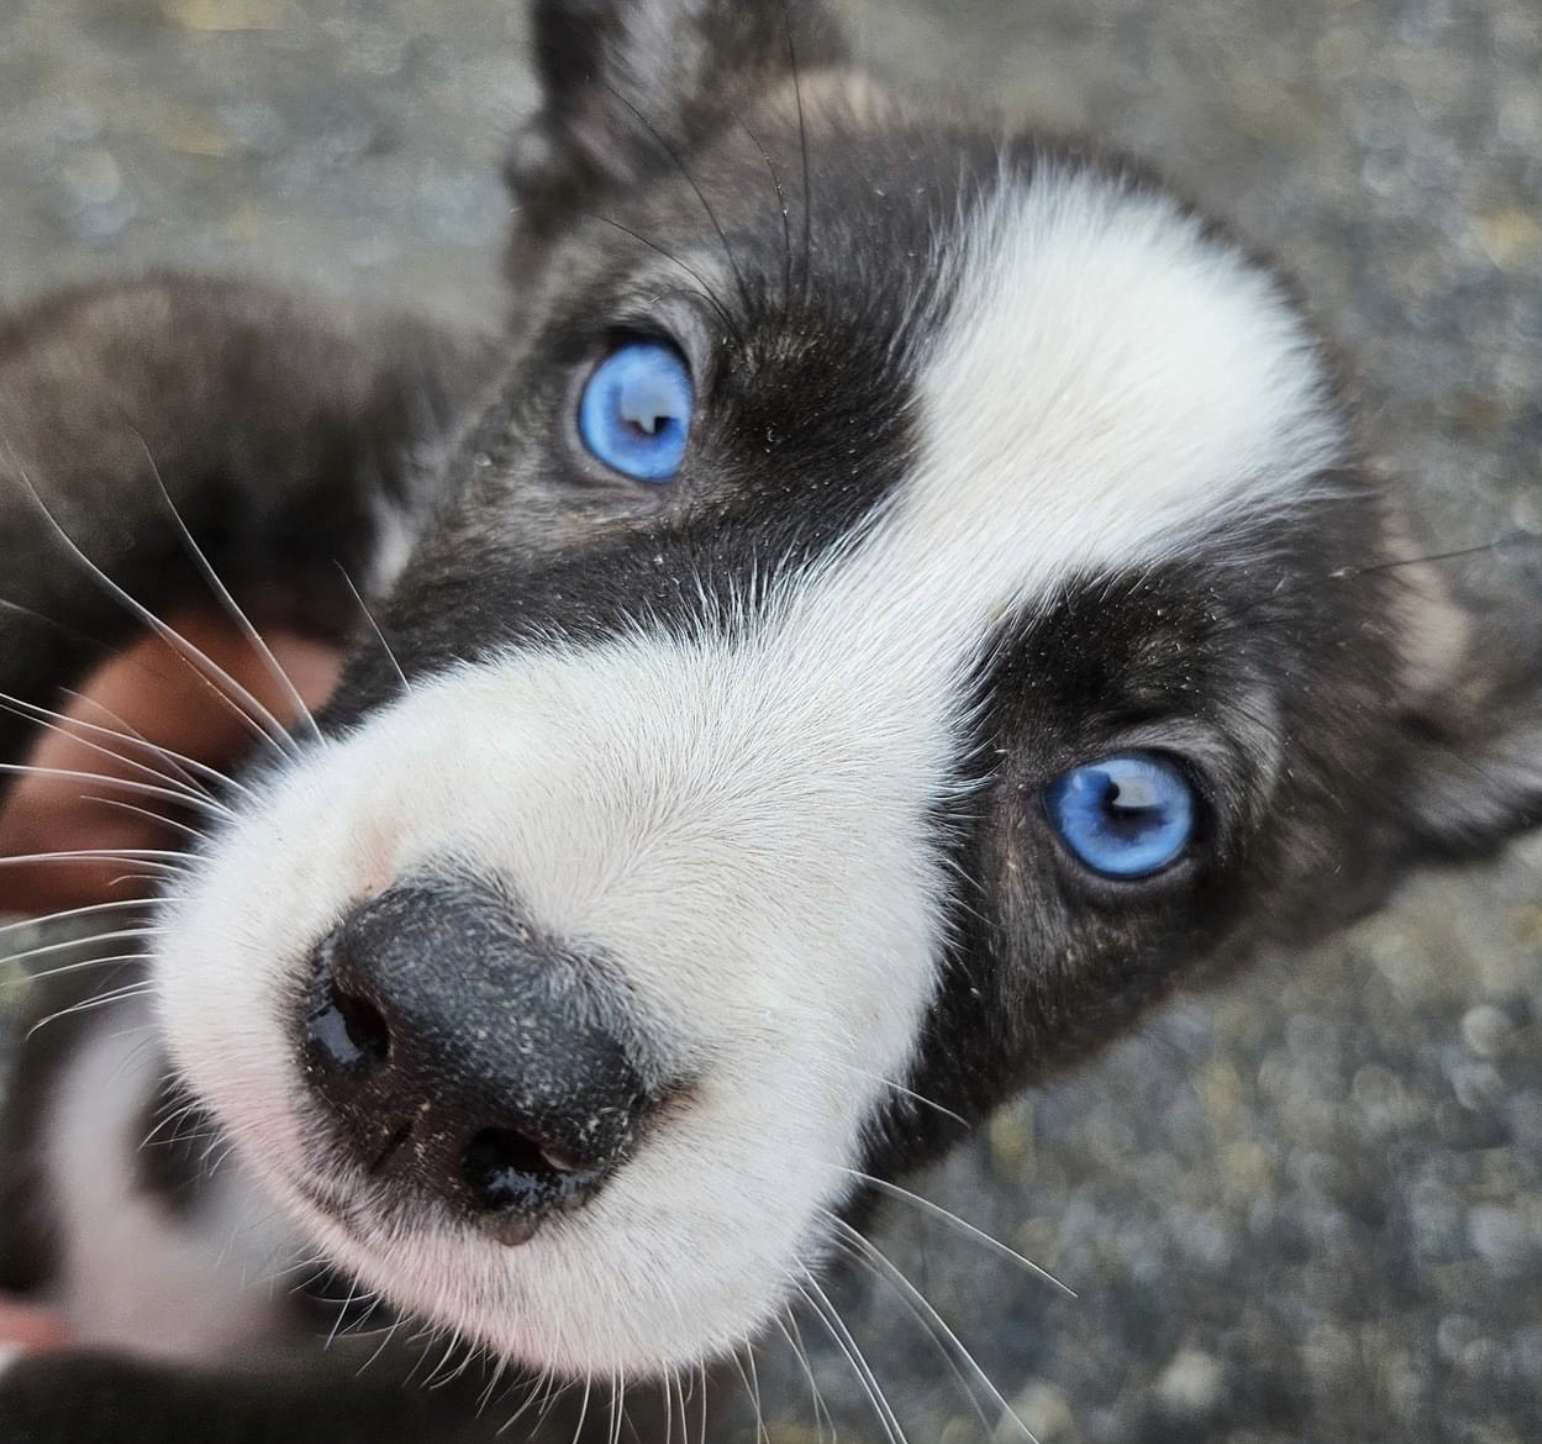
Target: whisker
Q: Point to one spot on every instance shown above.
(555, 1393)
(707, 293)
(232, 607)
(178, 761)
(583, 1408)
(101, 1000)
(64, 969)
(794, 1336)
(531, 1395)
(68, 914)
(369, 617)
(485, 1398)
(266, 725)
(1353, 573)
(124, 877)
(189, 1139)
(171, 1120)
(901, 1089)
(781, 205)
(934, 1337)
(808, 193)
(108, 649)
(261, 1273)
(45, 718)
(315, 1261)
(43, 949)
(617, 1394)
(444, 1359)
(149, 1029)
(685, 1422)
(179, 795)
(752, 1383)
(138, 856)
(881, 1260)
(937, 1211)
(380, 1348)
(1515, 538)
(679, 164)
(194, 834)
(830, 1316)
(212, 1167)
(353, 1288)
(474, 1354)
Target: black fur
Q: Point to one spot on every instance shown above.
(697, 183)
(280, 431)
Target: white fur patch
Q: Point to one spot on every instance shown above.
(1111, 383)
(744, 820)
(133, 1277)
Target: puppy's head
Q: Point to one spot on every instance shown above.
(912, 600)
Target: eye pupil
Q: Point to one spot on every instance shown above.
(1126, 816)
(635, 412)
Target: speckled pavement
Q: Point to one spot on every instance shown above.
(1310, 1206)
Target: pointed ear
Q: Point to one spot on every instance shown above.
(1468, 758)
(626, 82)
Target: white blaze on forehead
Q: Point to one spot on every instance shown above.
(744, 821)
(1109, 382)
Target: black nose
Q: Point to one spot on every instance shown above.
(467, 1058)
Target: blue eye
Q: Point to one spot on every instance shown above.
(1126, 816)
(635, 414)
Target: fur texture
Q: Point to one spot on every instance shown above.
(1002, 461)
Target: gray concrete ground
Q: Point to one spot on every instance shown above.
(1309, 1208)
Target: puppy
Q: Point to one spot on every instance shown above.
(900, 597)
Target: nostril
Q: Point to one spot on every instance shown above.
(458, 1061)
(507, 1170)
(349, 1031)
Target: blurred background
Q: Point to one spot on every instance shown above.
(1307, 1208)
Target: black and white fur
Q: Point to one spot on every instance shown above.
(1004, 459)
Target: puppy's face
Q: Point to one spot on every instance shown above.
(912, 601)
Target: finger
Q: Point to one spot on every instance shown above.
(150, 690)
(24, 1326)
